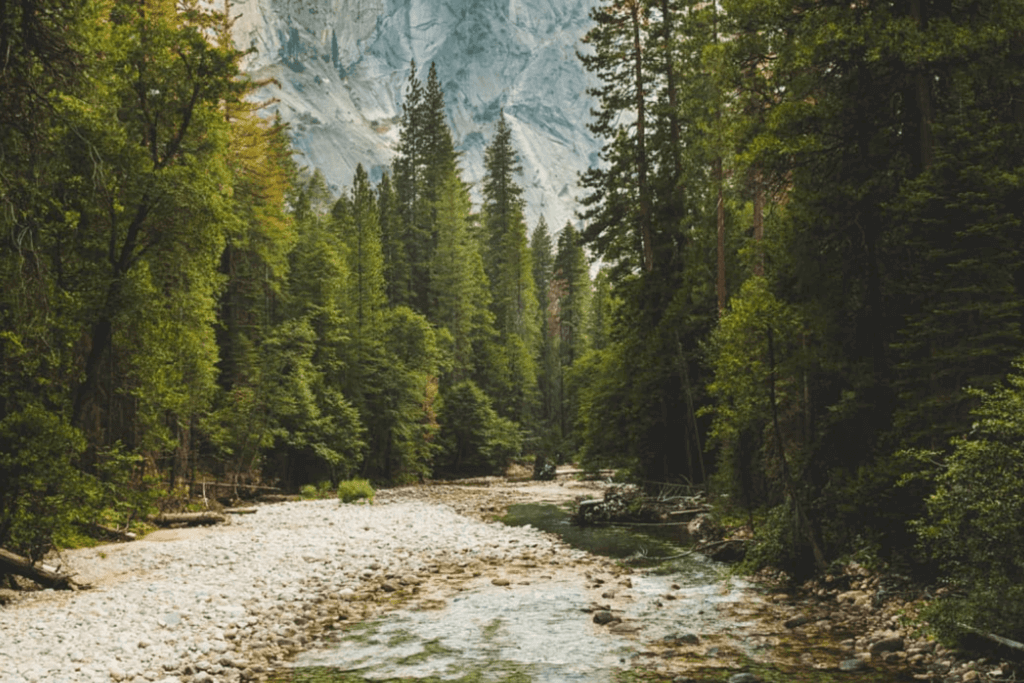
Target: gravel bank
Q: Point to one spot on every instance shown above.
(191, 606)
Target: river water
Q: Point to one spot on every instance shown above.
(543, 631)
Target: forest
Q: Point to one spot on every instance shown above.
(796, 281)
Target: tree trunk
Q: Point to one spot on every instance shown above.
(803, 523)
(189, 518)
(641, 144)
(21, 566)
(758, 222)
(721, 238)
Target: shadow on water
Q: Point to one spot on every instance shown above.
(609, 541)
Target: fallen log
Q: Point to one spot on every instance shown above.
(240, 511)
(189, 518)
(11, 563)
(691, 511)
(993, 637)
(277, 498)
(102, 531)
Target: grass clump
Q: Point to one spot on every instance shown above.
(355, 489)
(315, 491)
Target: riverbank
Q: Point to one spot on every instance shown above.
(229, 603)
(234, 603)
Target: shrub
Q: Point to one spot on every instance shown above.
(321, 489)
(41, 490)
(355, 489)
(973, 522)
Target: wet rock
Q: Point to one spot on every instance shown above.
(743, 678)
(603, 617)
(798, 620)
(704, 528)
(887, 644)
(624, 627)
(683, 639)
(501, 582)
(608, 595)
(850, 665)
(730, 551)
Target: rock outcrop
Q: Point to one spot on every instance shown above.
(341, 68)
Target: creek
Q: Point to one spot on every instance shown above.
(542, 630)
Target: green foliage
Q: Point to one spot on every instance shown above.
(513, 298)
(739, 357)
(972, 526)
(40, 488)
(776, 545)
(475, 439)
(603, 420)
(316, 491)
(352, 490)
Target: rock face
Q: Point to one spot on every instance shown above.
(343, 65)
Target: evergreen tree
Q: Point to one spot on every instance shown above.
(460, 292)
(508, 260)
(571, 287)
(548, 376)
(393, 242)
(426, 158)
(357, 220)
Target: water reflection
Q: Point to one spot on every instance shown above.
(609, 541)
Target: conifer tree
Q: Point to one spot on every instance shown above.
(514, 301)
(393, 242)
(459, 288)
(571, 285)
(360, 231)
(426, 158)
(548, 376)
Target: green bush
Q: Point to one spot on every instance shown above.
(973, 522)
(355, 489)
(314, 491)
(41, 490)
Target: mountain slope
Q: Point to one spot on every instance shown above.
(342, 65)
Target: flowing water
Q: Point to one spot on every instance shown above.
(539, 633)
(685, 610)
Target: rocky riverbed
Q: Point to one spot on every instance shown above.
(228, 603)
(236, 602)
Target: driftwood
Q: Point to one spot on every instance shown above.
(240, 511)
(691, 511)
(993, 637)
(277, 498)
(189, 518)
(102, 531)
(44, 576)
